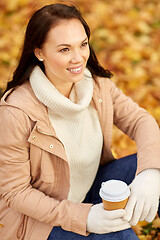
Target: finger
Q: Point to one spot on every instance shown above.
(130, 207)
(120, 227)
(114, 214)
(145, 212)
(115, 222)
(152, 214)
(137, 212)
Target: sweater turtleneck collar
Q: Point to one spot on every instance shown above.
(79, 99)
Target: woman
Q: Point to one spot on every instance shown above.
(56, 118)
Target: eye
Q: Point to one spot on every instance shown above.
(64, 50)
(84, 44)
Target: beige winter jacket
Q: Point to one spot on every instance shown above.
(34, 170)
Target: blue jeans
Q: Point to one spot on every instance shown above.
(122, 169)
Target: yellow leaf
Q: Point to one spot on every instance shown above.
(142, 223)
(156, 223)
(137, 229)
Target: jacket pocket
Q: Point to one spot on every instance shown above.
(10, 222)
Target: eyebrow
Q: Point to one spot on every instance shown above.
(68, 45)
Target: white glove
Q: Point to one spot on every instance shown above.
(102, 221)
(144, 199)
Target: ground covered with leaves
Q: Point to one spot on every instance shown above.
(126, 38)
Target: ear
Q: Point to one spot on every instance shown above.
(38, 54)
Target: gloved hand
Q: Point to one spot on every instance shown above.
(102, 221)
(144, 199)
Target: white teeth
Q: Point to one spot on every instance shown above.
(74, 69)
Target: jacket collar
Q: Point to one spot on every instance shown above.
(24, 98)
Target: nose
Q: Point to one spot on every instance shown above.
(76, 57)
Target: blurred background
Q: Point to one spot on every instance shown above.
(125, 35)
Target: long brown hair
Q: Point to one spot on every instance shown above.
(38, 27)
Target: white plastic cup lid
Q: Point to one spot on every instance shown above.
(114, 191)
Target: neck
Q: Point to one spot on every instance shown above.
(64, 89)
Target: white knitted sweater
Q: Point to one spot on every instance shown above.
(77, 125)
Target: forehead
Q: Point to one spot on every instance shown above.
(67, 31)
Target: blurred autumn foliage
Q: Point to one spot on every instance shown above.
(126, 37)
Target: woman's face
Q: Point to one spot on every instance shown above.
(65, 53)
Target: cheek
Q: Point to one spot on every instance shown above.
(56, 62)
(53, 60)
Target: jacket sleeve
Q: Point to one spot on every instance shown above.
(140, 126)
(15, 183)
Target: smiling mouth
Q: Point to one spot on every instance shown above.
(75, 70)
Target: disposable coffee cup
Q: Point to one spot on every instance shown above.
(114, 194)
